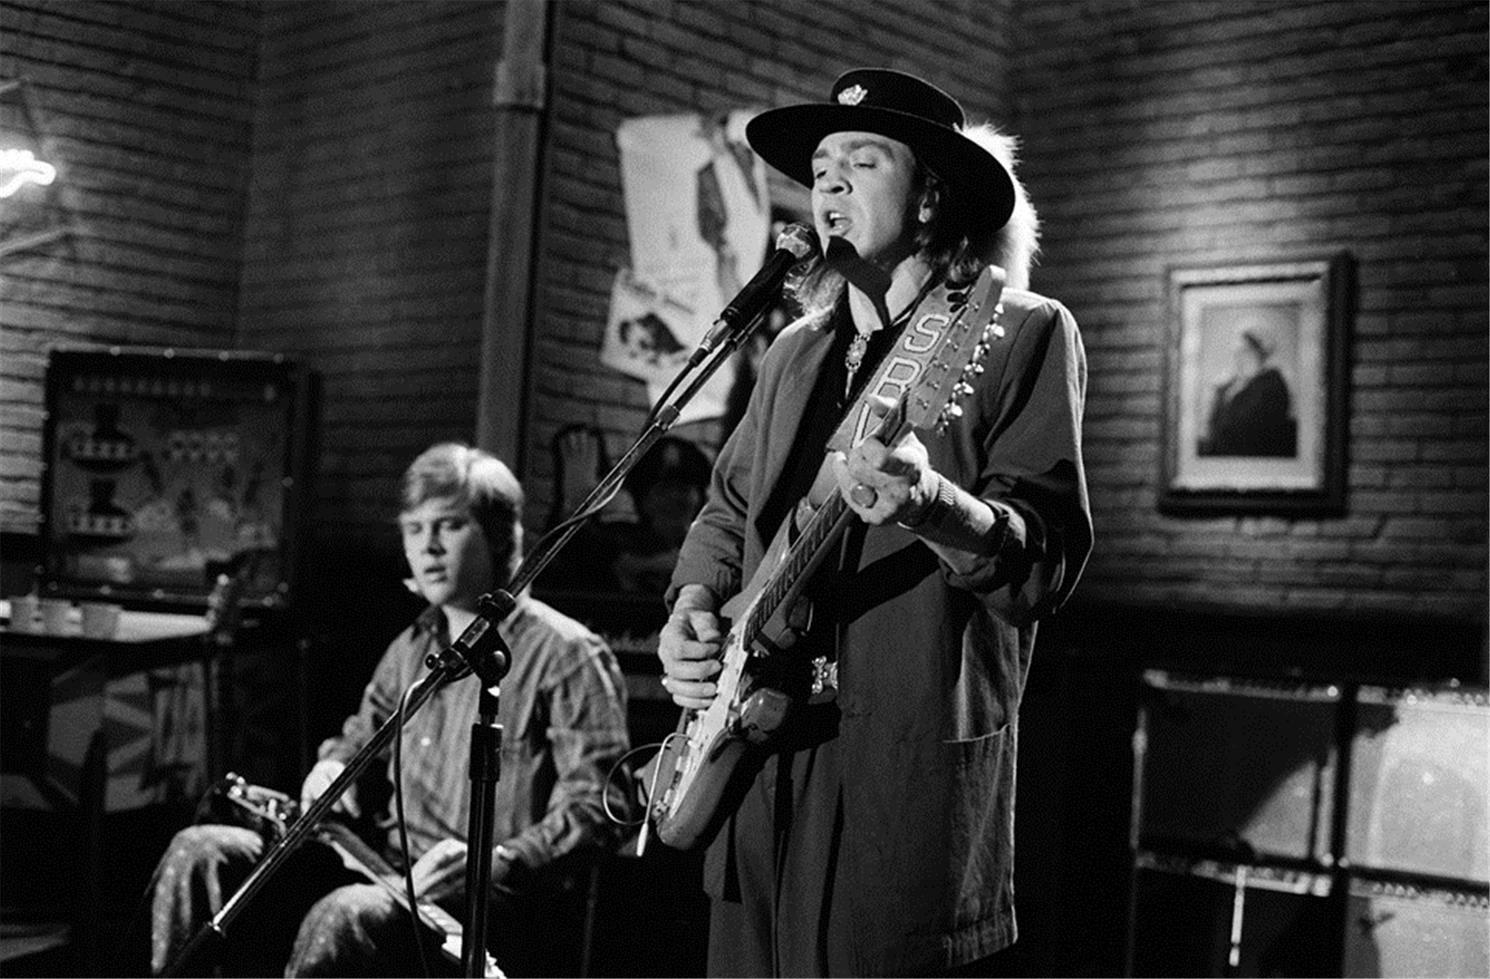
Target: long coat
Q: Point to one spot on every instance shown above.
(931, 664)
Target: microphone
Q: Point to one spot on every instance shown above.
(794, 244)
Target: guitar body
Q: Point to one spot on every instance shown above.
(706, 765)
(699, 776)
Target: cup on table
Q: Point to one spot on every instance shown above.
(54, 613)
(24, 613)
(100, 620)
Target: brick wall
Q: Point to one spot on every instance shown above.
(365, 250)
(1155, 134)
(1208, 134)
(144, 108)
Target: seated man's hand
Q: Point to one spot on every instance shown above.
(319, 780)
(441, 872)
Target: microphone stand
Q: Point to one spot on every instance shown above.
(480, 649)
(480, 644)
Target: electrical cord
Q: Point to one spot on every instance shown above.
(403, 833)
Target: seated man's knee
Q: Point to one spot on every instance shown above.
(344, 931)
(214, 843)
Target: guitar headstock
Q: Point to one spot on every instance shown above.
(931, 402)
(225, 603)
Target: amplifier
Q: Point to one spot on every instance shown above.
(1235, 767)
(1420, 774)
(1397, 929)
(1208, 918)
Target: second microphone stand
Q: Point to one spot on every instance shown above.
(480, 639)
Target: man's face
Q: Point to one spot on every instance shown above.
(863, 190)
(447, 552)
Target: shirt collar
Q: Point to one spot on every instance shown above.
(431, 622)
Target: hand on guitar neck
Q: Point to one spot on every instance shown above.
(886, 483)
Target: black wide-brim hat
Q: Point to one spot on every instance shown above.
(902, 107)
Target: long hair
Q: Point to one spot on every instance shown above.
(953, 243)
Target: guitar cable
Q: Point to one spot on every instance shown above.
(403, 831)
(646, 792)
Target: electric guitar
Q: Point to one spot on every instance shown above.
(271, 813)
(696, 780)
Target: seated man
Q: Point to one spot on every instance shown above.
(563, 716)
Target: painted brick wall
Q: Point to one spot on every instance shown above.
(145, 109)
(1199, 134)
(365, 251)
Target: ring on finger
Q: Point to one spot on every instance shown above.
(863, 495)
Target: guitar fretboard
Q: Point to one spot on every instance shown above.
(822, 530)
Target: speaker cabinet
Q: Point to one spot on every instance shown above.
(1193, 917)
(1406, 930)
(1236, 766)
(1420, 767)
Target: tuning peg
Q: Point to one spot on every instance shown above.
(972, 370)
(961, 389)
(952, 411)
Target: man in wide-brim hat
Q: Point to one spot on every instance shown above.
(874, 833)
(908, 110)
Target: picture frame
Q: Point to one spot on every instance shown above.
(1255, 388)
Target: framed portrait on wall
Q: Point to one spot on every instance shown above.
(1255, 388)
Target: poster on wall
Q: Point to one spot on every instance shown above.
(166, 468)
(698, 219)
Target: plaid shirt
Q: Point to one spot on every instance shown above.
(563, 717)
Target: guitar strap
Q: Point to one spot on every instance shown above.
(900, 367)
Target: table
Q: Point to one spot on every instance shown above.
(146, 689)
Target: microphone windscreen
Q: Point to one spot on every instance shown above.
(799, 239)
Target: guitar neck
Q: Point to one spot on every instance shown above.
(827, 525)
